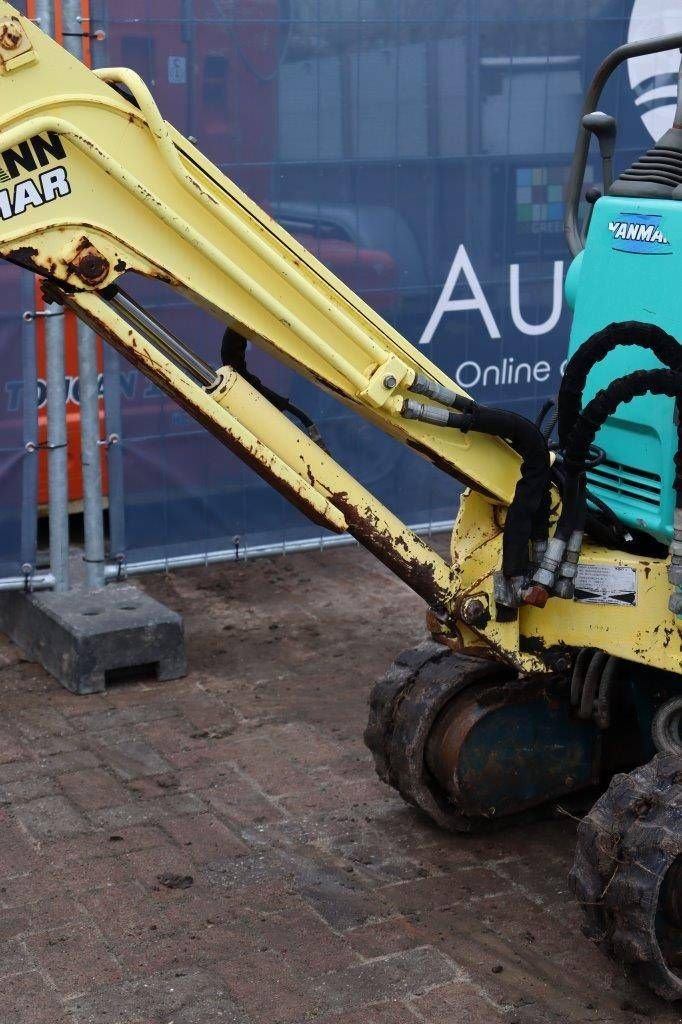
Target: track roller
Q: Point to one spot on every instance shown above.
(470, 743)
(628, 872)
(404, 706)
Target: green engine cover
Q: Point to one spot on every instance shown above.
(628, 272)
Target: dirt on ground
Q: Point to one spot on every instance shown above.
(218, 850)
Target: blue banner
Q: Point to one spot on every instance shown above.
(420, 151)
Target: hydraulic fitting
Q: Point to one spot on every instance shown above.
(553, 557)
(565, 589)
(423, 385)
(565, 584)
(413, 410)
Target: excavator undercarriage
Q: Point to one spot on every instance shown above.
(555, 650)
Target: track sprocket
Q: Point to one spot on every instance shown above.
(627, 872)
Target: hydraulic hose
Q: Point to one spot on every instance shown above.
(233, 354)
(604, 526)
(666, 349)
(570, 506)
(528, 513)
(558, 568)
(595, 414)
(606, 402)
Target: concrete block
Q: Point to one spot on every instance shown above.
(82, 636)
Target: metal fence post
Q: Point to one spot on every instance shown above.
(115, 472)
(29, 492)
(88, 375)
(58, 474)
(91, 458)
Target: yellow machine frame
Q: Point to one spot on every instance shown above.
(143, 199)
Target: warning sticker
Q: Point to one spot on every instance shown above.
(606, 584)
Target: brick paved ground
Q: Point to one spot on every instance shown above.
(316, 895)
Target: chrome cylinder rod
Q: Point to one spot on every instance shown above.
(166, 342)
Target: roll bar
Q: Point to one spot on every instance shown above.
(582, 145)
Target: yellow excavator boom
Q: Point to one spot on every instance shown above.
(96, 185)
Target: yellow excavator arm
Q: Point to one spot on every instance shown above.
(96, 185)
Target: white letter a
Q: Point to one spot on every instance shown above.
(460, 265)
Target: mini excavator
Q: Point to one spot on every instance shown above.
(554, 662)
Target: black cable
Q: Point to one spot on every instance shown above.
(603, 533)
(678, 456)
(233, 354)
(607, 512)
(542, 415)
(570, 506)
(573, 505)
(540, 521)
(547, 407)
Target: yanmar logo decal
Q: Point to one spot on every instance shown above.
(639, 233)
(28, 158)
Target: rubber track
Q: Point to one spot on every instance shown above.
(404, 705)
(625, 846)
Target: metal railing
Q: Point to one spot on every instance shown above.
(245, 552)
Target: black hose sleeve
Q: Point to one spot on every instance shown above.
(540, 525)
(570, 507)
(603, 525)
(605, 403)
(666, 349)
(531, 497)
(547, 428)
(581, 517)
(528, 514)
(678, 454)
